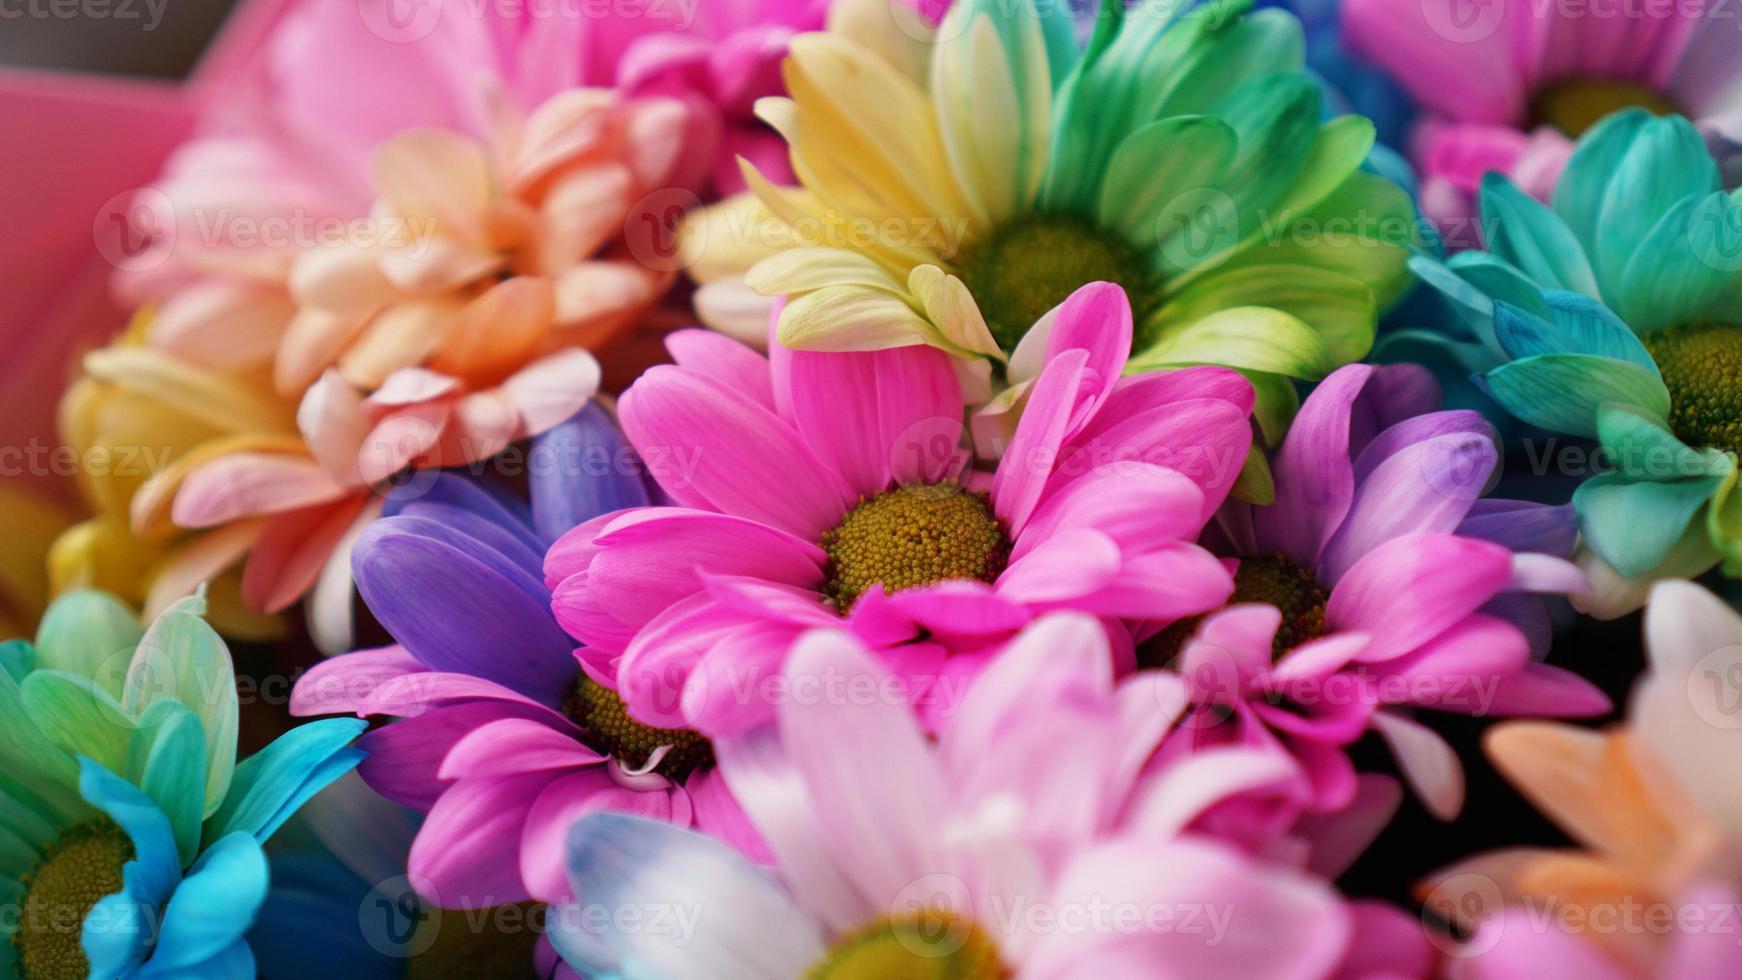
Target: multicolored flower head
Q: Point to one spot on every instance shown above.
(1509, 87)
(503, 737)
(1379, 581)
(1612, 315)
(959, 182)
(899, 856)
(817, 489)
(132, 834)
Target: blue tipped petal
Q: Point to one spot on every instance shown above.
(581, 469)
(211, 911)
(1527, 234)
(747, 925)
(273, 783)
(1575, 325)
(154, 851)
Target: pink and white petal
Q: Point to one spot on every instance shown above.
(1459, 669)
(1428, 764)
(480, 425)
(410, 386)
(1229, 651)
(1058, 659)
(223, 324)
(1179, 794)
(565, 800)
(248, 484)
(718, 814)
(468, 850)
(333, 423)
(401, 438)
(1171, 581)
(1445, 576)
(340, 685)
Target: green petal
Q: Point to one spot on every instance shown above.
(1245, 338)
(1561, 392)
(1642, 447)
(1633, 524)
(1530, 236)
(1337, 152)
(1156, 167)
(181, 658)
(17, 658)
(79, 715)
(1724, 522)
(89, 633)
(1277, 400)
(168, 752)
(1255, 485)
(1682, 272)
(1260, 43)
(1666, 162)
(1342, 310)
(1376, 253)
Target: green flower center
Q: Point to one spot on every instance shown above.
(1701, 364)
(472, 943)
(929, 946)
(607, 728)
(1032, 264)
(913, 536)
(1575, 105)
(83, 866)
(1272, 580)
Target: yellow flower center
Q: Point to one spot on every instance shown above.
(81, 868)
(472, 943)
(1032, 264)
(1272, 580)
(1576, 104)
(932, 945)
(1701, 364)
(606, 727)
(913, 536)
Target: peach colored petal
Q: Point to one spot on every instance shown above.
(1561, 769)
(432, 264)
(292, 550)
(149, 510)
(498, 332)
(429, 173)
(251, 484)
(483, 424)
(330, 603)
(584, 210)
(310, 345)
(201, 560)
(594, 293)
(403, 335)
(401, 438)
(565, 127)
(655, 133)
(333, 423)
(222, 324)
(548, 391)
(345, 279)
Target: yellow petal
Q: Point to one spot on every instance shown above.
(952, 310)
(846, 318)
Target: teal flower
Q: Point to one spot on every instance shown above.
(129, 833)
(1616, 314)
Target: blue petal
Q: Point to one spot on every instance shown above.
(581, 469)
(158, 863)
(1575, 325)
(117, 930)
(452, 494)
(272, 784)
(1561, 392)
(211, 911)
(1578, 195)
(1527, 234)
(316, 896)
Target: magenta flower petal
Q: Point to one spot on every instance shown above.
(468, 848)
(1450, 576)
(1315, 481)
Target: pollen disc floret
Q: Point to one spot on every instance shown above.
(1031, 264)
(82, 867)
(1269, 579)
(912, 536)
(1701, 365)
(1575, 105)
(606, 727)
(931, 945)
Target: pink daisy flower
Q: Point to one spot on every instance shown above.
(828, 489)
(1377, 581)
(1509, 86)
(966, 857)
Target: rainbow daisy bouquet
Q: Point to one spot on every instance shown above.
(882, 489)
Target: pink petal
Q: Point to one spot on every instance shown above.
(1428, 763)
(468, 850)
(340, 685)
(1023, 472)
(1135, 504)
(513, 745)
(542, 843)
(553, 388)
(734, 364)
(1070, 565)
(1315, 478)
(251, 484)
(291, 552)
(649, 559)
(1095, 319)
(1445, 577)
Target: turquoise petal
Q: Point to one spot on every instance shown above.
(1578, 195)
(212, 908)
(181, 658)
(1561, 392)
(1527, 234)
(271, 785)
(1633, 524)
(1576, 325)
(1643, 448)
(1687, 267)
(89, 633)
(1667, 162)
(156, 867)
(168, 752)
(17, 658)
(117, 930)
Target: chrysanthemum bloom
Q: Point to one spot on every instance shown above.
(138, 412)
(1612, 315)
(812, 487)
(957, 184)
(1654, 807)
(502, 738)
(903, 858)
(132, 833)
(1508, 87)
(1379, 581)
